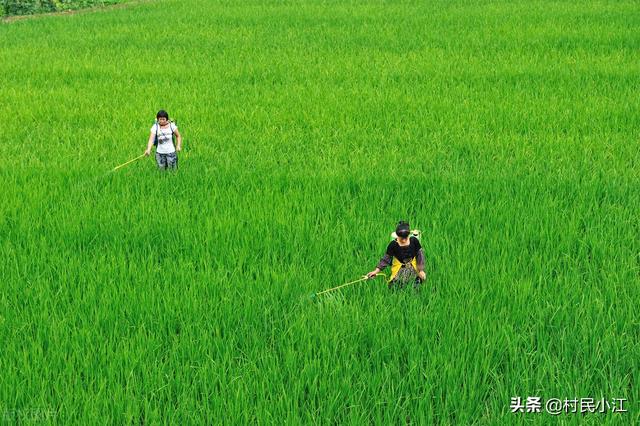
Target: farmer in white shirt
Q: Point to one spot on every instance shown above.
(161, 136)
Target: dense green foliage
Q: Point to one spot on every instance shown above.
(28, 7)
(506, 131)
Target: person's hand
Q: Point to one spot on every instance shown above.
(147, 153)
(178, 148)
(372, 274)
(422, 275)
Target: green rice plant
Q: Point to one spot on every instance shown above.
(503, 130)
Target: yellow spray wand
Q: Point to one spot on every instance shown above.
(314, 295)
(124, 164)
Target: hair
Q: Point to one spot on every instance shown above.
(162, 113)
(403, 225)
(402, 229)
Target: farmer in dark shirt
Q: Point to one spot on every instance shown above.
(406, 257)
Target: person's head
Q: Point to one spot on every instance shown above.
(403, 230)
(163, 117)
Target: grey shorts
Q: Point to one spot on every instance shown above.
(167, 161)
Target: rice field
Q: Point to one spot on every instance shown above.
(506, 131)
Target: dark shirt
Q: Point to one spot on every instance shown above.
(404, 254)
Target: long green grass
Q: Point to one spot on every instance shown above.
(506, 131)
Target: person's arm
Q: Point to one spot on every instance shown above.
(152, 138)
(420, 264)
(178, 139)
(384, 262)
(420, 260)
